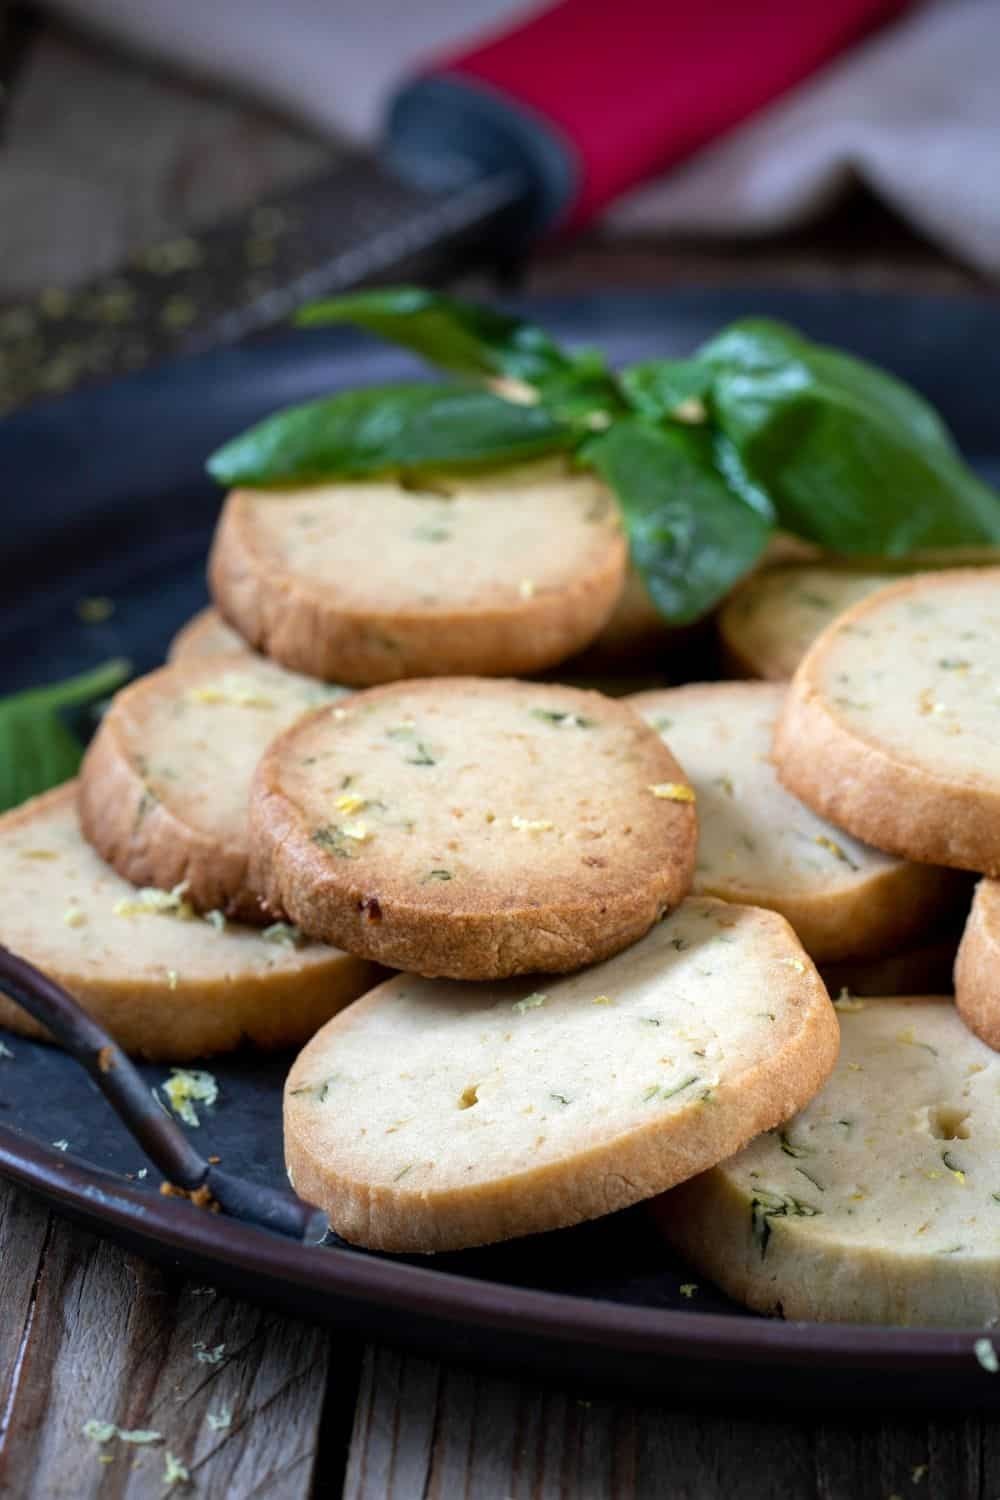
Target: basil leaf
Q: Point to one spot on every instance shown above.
(898, 405)
(752, 344)
(37, 751)
(761, 344)
(459, 336)
(399, 427)
(586, 393)
(691, 537)
(845, 470)
(674, 388)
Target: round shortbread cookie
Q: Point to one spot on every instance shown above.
(506, 572)
(977, 967)
(167, 985)
(758, 844)
(891, 727)
(880, 1202)
(435, 1115)
(165, 784)
(771, 619)
(473, 828)
(208, 634)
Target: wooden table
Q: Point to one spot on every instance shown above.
(97, 157)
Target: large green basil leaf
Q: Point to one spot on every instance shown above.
(691, 537)
(756, 344)
(845, 469)
(388, 428)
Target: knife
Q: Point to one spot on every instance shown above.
(529, 134)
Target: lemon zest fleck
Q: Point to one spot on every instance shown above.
(187, 1087)
(349, 802)
(672, 791)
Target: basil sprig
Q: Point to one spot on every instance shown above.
(708, 456)
(390, 427)
(37, 749)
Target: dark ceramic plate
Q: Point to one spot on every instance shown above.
(103, 494)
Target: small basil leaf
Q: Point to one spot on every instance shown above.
(458, 336)
(669, 388)
(37, 750)
(691, 537)
(388, 428)
(842, 472)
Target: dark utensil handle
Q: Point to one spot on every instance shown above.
(160, 1137)
(587, 99)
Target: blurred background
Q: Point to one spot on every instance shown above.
(856, 142)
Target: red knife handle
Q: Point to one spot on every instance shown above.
(606, 94)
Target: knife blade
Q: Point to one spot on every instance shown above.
(535, 130)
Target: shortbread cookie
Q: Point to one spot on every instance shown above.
(879, 1202)
(505, 572)
(891, 728)
(977, 967)
(207, 634)
(760, 845)
(771, 619)
(434, 1115)
(165, 783)
(472, 828)
(167, 984)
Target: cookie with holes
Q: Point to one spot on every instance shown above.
(166, 780)
(510, 571)
(434, 1115)
(473, 828)
(878, 1202)
(760, 845)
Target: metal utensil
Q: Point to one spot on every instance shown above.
(535, 131)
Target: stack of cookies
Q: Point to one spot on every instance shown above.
(879, 1201)
(614, 921)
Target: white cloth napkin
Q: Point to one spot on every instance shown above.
(914, 112)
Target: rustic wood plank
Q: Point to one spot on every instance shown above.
(91, 1332)
(424, 1432)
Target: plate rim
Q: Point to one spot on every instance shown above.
(562, 1318)
(110, 1205)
